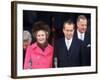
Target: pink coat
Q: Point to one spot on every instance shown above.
(39, 58)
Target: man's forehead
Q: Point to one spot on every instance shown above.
(83, 20)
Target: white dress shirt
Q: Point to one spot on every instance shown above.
(68, 43)
(80, 35)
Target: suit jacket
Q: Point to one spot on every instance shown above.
(68, 58)
(86, 49)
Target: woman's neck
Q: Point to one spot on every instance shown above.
(42, 46)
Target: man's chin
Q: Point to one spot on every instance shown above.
(68, 38)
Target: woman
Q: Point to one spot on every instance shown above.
(41, 52)
(26, 42)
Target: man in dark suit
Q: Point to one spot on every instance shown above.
(83, 34)
(68, 49)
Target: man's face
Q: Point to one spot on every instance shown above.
(68, 30)
(82, 25)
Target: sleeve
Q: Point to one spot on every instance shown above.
(27, 58)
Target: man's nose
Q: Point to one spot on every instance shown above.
(68, 33)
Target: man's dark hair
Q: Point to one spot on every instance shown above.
(70, 22)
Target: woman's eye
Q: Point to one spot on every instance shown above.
(38, 35)
(42, 35)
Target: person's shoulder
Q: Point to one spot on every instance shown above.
(78, 40)
(50, 46)
(60, 40)
(33, 45)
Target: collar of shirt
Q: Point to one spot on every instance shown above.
(37, 48)
(80, 35)
(68, 43)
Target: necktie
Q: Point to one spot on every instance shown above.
(81, 37)
(68, 44)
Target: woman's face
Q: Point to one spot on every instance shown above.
(41, 37)
(26, 43)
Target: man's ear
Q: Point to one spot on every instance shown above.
(74, 30)
(77, 23)
(63, 30)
